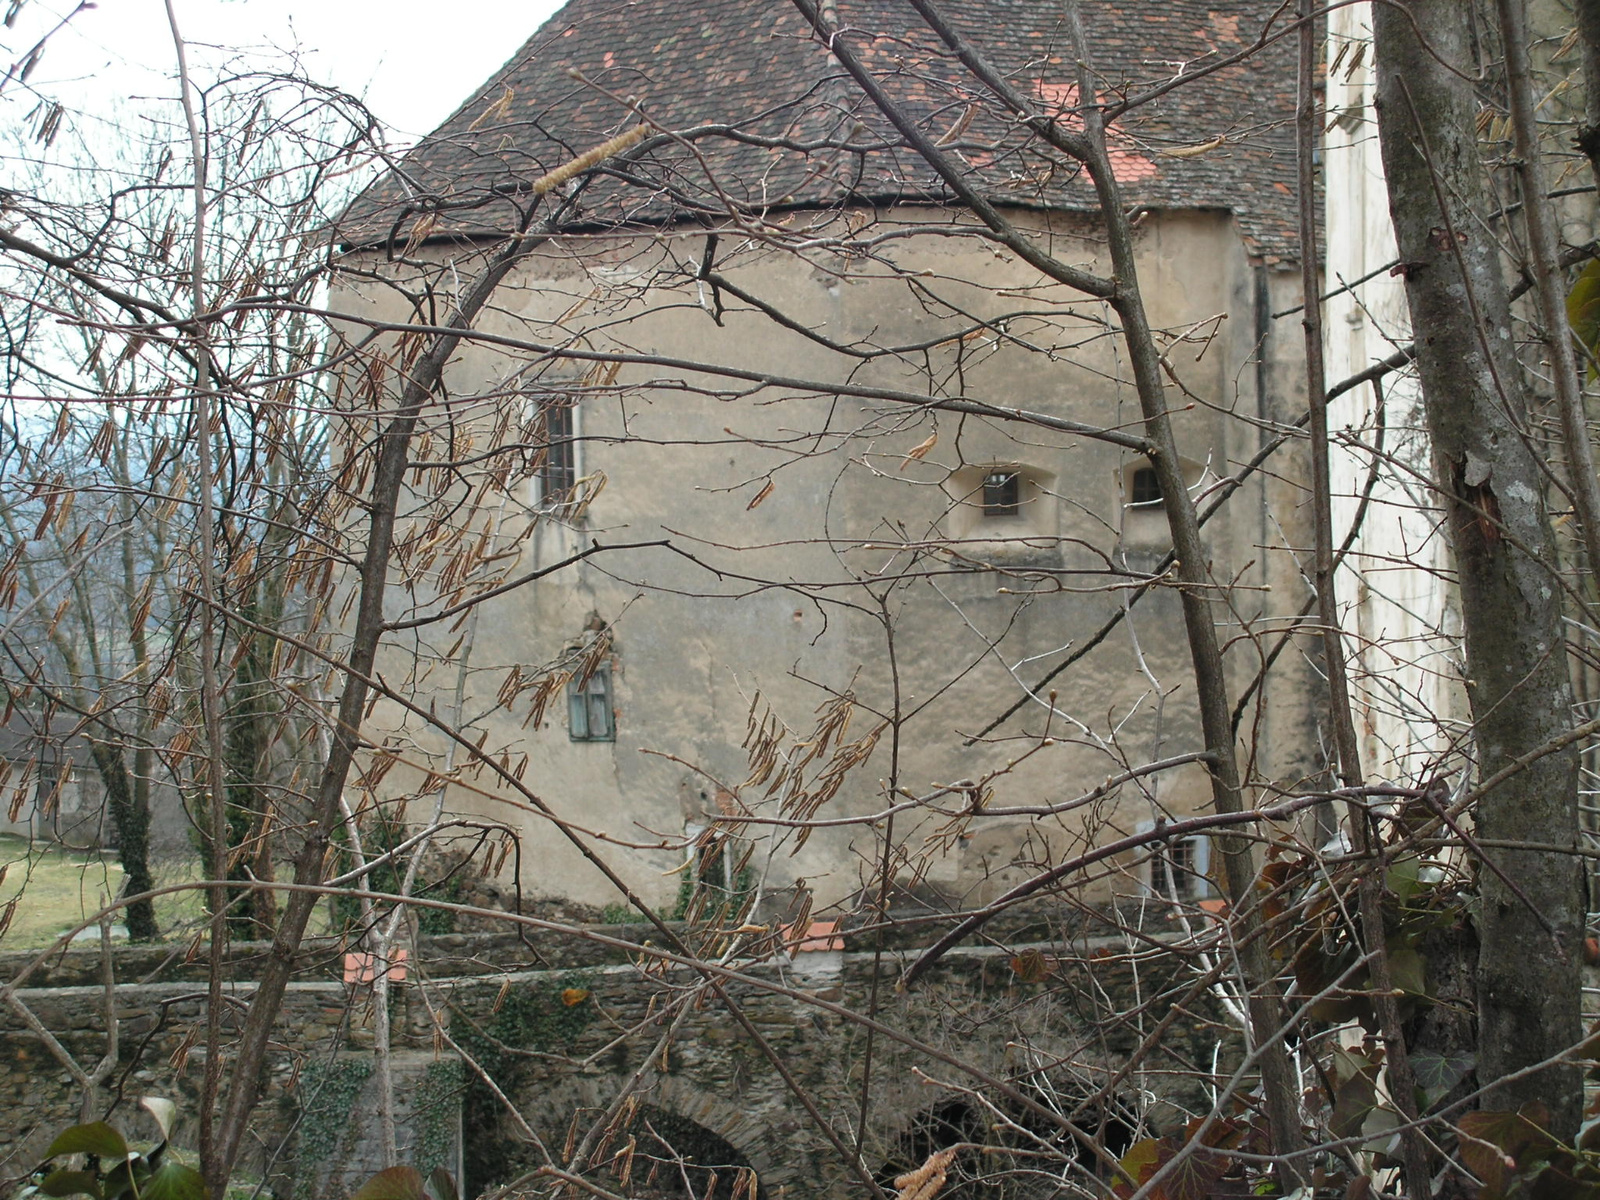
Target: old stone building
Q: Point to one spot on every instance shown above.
(824, 502)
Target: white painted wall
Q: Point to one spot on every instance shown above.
(1400, 622)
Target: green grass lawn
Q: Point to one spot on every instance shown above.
(59, 889)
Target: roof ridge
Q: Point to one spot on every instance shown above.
(754, 67)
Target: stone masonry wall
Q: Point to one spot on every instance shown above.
(562, 1034)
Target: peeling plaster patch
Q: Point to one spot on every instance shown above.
(1476, 472)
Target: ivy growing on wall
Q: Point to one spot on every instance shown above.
(381, 833)
(548, 1018)
(434, 1121)
(329, 1089)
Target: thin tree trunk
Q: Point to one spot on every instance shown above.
(1492, 487)
(132, 820)
(1280, 1086)
(1544, 269)
(1401, 1080)
(394, 447)
(212, 783)
(1588, 14)
(1201, 612)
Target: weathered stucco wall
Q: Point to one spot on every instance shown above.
(777, 601)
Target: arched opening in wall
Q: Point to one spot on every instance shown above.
(1144, 519)
(674, 1156)
(1030, 1173)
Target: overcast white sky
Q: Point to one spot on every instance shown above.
(414, 61)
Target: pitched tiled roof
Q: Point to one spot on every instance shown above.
(752, 69)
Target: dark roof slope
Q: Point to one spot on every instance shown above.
(748, 73)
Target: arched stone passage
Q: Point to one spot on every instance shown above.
(691, 1121)
(956, 1120)
(746, 1129)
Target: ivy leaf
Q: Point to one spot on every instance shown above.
(174, 1181)
(1403, 877)
(1348, 1061)
(1352, 1101)
(1140, 1162)
(1558, 1180)
(1437, 1073)
(1583, 308)
(1407, 970)
(1379, 1128)
(95, 1138)
(70, 1183)
(1195, 1178)
(127, 1178)
(1337, 1010)
(442, 1185)
(162, 1110)
(392, 1183)
(1219, 1135)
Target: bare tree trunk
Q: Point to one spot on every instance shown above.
(1280, 1087)
(1492, 486)
(1588, 13)
(394, 449)
(1544, 269)
(1347, 747)
(131, 815)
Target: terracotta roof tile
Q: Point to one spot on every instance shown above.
(751, 66)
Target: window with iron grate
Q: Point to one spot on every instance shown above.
(1002, 493)
(558, 472)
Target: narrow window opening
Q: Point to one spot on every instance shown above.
(716, 874)
(1144, 487)
(558, 472)
(592, 717)
(713, 865)
(1002, 494)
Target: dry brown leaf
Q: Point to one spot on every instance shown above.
(960, 127)
(760, 496)
(920, 451)
(924, 1183)
(495, 111)
(1196, 151)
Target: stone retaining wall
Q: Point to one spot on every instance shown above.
(562, 1036)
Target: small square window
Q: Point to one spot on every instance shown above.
(1144, 486)
(591, 717)
(1002, 494)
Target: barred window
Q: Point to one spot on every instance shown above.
(1173, 871)
(558, 472)
(1002, 494)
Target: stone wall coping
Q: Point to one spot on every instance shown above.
(851, 960)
